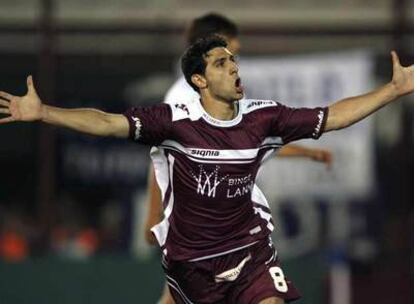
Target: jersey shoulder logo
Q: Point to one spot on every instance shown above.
(180, 111)
(251, 105)
(183, 107)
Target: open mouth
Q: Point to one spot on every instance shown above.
(238, 85)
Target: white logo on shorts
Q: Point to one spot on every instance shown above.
(232, 274)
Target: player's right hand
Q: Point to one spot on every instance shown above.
(21, 108)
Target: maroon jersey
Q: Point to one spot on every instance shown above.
(206, 170)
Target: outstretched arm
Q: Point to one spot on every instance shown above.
(319, 155)
(351, 110)
(91, 121)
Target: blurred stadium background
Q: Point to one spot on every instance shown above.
(72, 206)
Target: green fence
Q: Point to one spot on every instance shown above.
(118, 280)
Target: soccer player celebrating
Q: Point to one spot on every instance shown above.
(207, 25)
(215, 237)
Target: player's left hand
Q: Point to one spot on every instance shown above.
(403, 77)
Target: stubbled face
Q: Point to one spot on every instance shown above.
(221, 78)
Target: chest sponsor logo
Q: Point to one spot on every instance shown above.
(239, 186)
(198, 152)
(207, 182)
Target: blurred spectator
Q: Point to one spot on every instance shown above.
(14, 245)
(73, 243)
(72, 238)
(110, 226)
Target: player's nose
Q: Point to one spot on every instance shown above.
(234, 68)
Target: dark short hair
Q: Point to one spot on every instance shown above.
(211, 24)
(193, 61)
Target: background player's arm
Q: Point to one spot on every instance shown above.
(351, 110)
(91, 121)
(319, 155)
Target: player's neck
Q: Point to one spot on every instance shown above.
(219, 109)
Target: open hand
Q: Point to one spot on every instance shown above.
(21, 108)
(403, 77)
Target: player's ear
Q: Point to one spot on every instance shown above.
(199, 80)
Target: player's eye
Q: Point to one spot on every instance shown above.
(220, 63)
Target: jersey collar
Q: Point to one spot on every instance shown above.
(217, 122)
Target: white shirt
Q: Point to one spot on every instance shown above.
(181, 92)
